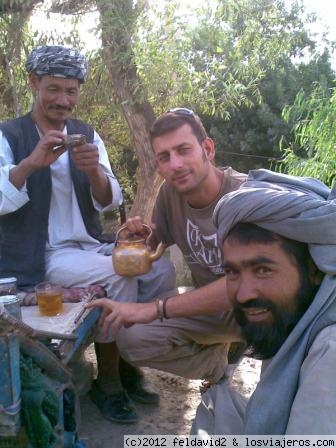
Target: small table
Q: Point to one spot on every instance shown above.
(72, 321)
(52, 342)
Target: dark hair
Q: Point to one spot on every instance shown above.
(174, 119)
(247, 233)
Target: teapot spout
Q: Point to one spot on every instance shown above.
(158, 252)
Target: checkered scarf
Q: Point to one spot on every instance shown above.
(59, 61)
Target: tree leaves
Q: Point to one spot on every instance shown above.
(10, 6)
(312, 150)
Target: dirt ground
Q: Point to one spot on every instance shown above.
(179, 399)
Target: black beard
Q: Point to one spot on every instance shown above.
(265, 339)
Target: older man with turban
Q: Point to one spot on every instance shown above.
(50, 199)
(279, 240)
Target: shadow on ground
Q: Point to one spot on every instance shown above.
(179, 398)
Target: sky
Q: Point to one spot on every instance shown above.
(326, 10)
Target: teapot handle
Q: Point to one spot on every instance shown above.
(125, 227)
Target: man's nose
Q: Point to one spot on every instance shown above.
(63, 100)
(246, 290)
(175, 161)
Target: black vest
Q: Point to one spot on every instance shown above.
(24, 233)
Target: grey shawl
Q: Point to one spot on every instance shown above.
(301, 209)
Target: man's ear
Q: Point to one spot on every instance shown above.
(209, 148)
(315, 275)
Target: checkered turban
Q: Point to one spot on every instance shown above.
(59, 61)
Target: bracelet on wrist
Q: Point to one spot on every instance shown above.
(161, 308)
(164, 308)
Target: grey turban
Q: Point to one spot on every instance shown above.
(301, 209)
(59, 61)
(294, 207)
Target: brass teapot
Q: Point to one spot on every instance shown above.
(132, 257)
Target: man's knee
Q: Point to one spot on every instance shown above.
(142, 342)
(129, 341)
(122, 289)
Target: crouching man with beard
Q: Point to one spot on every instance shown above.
(278, 234)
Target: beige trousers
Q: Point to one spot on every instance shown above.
(195, 348)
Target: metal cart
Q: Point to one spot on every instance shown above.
(52, 343)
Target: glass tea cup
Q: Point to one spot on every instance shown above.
(49, 299)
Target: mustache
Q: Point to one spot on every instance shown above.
(63, 108)
(254, 303)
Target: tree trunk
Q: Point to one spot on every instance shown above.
(6, 89)
(117, 21)
(10, 56)
(10, 6)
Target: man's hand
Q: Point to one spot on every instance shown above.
(86, 158)
(43, 155)
(136, 226)
(119, 315)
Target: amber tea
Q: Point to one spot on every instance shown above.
(49, 299)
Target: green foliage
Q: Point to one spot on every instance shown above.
(158, 48)
(251, 138)
(235, 62)
(186, 62)
(237, 65)
(10, 6)
(97, 107)
(311, 152)
(14, 38)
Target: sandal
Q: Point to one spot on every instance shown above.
(115, 407)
